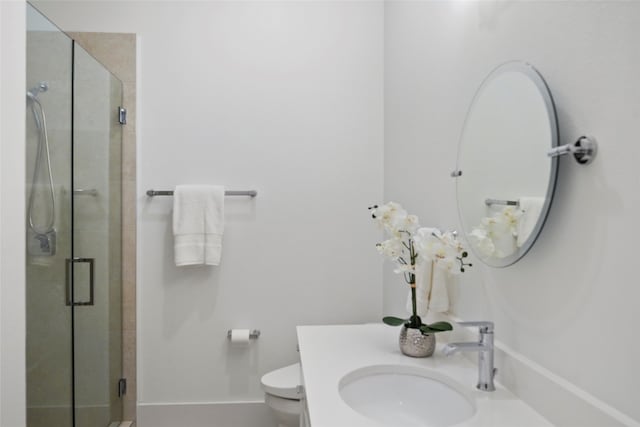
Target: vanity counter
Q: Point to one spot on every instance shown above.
(328, 353)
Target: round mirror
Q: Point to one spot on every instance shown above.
(504, 177)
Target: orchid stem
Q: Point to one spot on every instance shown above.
(413, 302)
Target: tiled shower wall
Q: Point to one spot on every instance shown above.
(118, 53)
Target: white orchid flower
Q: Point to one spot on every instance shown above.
(443, 249)
(409, 244)
(390, 216)
(511, 216)
(411, 224)
(480, 239)
(427, 242)
(391, 248)
(445, 256)
(496, 226)
(490, 222)
(397, 221)
(451, 240)
(405, 268)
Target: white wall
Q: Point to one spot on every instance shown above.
(282, 97)
(570, 305)
(12, 226)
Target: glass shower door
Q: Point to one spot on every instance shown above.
(48, 233)
(73, 234)
(97, 278)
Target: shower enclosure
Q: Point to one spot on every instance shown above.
(74, 275)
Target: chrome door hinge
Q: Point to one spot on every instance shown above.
(122, 115)
(122, 387)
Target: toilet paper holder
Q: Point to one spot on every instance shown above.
(254, 334)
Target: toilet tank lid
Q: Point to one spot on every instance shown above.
(283, 382)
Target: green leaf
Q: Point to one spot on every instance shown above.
(393, 321)
(434, 328)
(441, 326)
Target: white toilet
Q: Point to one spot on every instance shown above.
(281, 394)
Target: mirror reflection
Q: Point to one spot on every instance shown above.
(505, 179)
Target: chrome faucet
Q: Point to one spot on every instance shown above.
(484, 347)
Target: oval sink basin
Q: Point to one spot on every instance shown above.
(406, 396)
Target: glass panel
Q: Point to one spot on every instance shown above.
(96, 242)
(48, 233)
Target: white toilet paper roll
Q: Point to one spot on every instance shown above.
(240, 336)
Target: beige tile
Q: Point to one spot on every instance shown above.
(128, 308)
(129, 372)
(129, 352)
(113, 50)
(129, 404)
(129, 101)
(129, 161)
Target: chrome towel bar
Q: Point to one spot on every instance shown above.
(250, 193)
(490, 202)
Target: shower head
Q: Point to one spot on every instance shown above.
(34, 91)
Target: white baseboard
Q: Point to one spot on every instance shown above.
(559, 401)
(211, 414)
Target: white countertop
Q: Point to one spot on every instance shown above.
(328, 353)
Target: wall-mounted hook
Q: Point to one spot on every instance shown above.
(584, 150)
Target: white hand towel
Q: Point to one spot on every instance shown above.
(439, 302)
(198, 224)
(431, 290)
(531, 208)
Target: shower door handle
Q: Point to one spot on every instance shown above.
(69, 271)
